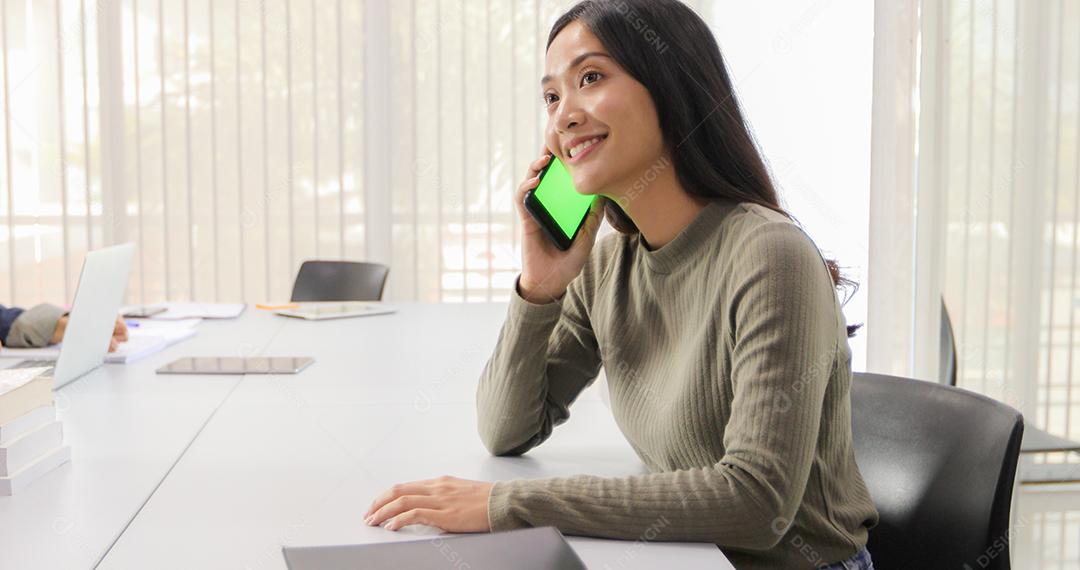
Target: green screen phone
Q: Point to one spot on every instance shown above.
(557, 206)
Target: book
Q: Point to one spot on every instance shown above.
(23, 451)
(22, 390)
(34, 471)
(26, 423)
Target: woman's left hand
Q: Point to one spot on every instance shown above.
(449, 503)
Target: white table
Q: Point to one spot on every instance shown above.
(293, 459)
(126, 427)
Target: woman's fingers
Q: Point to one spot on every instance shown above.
(401, 489)
(429, 517)
(519, 201)
(537, 165)
(532, 179)
(533, 174)
(400, 505)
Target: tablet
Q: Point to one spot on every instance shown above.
(319, 311)
(237, 365)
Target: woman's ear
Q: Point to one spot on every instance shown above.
(618, 218)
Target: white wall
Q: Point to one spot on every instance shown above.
(803, 70)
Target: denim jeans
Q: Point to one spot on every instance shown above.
(860, 561)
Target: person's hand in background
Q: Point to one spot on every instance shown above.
(58, 332)
(120, 332)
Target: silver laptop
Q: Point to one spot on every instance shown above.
(102, 284)
(541, 548)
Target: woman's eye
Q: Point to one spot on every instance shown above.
(591, 77)
(549, 98)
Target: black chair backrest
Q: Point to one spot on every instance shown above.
(940, 464)
(947, 363)
(339, 281)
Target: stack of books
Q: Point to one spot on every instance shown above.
(31, 438)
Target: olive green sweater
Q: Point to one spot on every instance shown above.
(729, 372)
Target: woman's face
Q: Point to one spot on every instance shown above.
(602, 123)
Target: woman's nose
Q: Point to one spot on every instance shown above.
(569, 116)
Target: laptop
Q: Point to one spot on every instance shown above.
(542, 548)
(102, 284)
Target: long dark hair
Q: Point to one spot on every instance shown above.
(667, 48)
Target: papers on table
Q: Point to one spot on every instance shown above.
(146, 337)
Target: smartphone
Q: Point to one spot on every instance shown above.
(555, 204)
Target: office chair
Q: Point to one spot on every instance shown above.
(339, 281)
(1036, 440)
(940, 463)
(947, 349)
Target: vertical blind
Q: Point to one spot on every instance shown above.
(242, 141)
(1011, 181)
(1009, 178)
(233, 139)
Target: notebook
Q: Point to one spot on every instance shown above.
(541, 548)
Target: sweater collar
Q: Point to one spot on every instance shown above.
(682, 249)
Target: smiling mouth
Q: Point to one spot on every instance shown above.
(580, 148)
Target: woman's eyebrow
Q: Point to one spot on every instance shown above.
(577, 60)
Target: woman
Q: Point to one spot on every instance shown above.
(715, 317)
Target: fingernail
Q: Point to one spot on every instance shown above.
(368, 519)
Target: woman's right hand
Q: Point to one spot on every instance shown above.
(546, 270)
